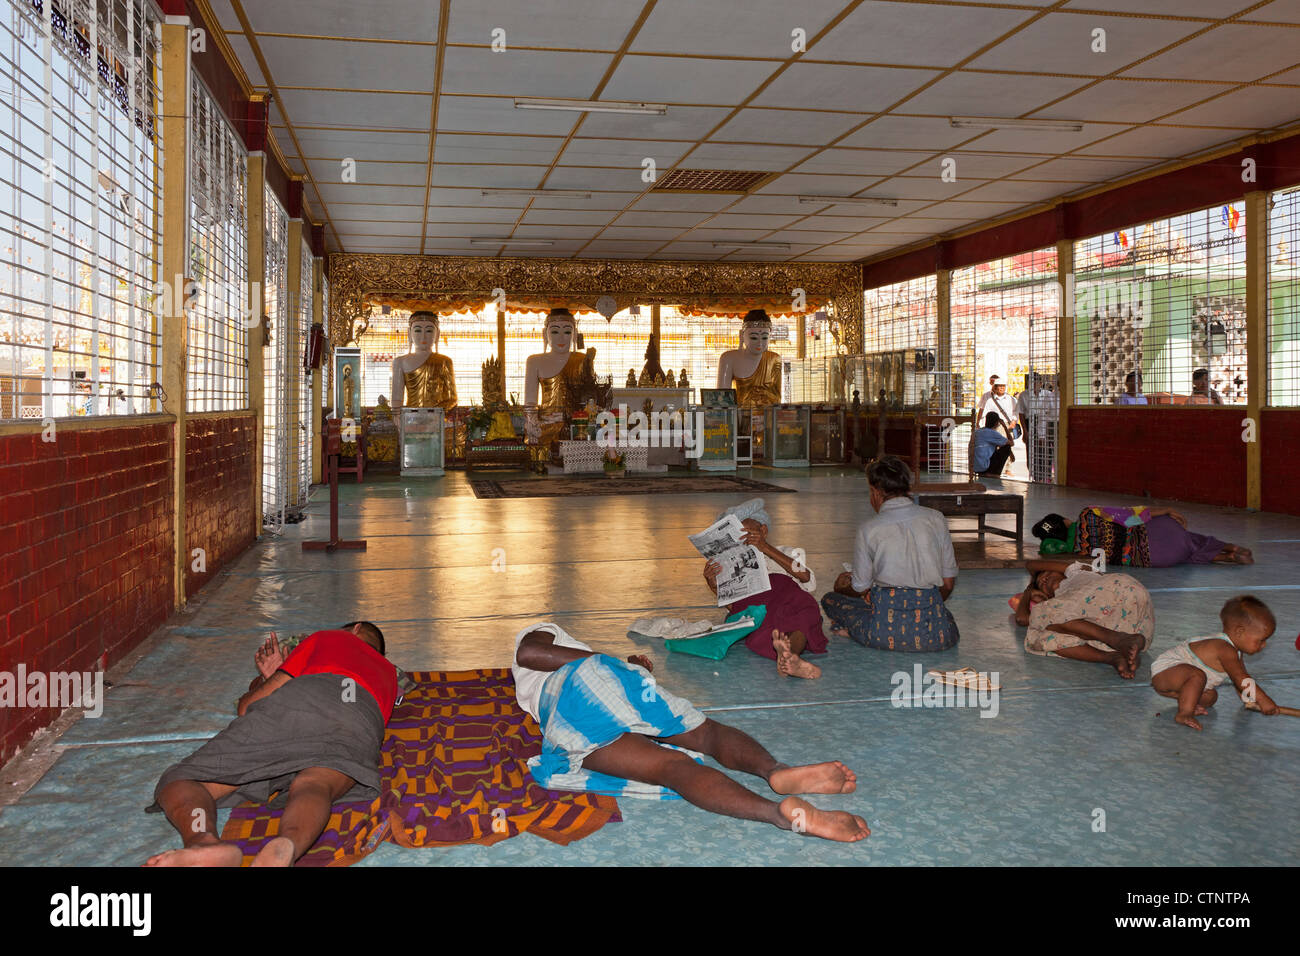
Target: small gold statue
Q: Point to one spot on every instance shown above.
(670, 381)
(645, 381)
(494, 393)
(659, 380)
(631, 378)
(682, 381)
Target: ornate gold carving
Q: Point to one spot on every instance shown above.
(356, 278)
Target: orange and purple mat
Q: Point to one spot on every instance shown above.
(454, 771)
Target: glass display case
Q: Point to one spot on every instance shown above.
(826, 443)
(788, 432)
(719, 449)
(423, 447)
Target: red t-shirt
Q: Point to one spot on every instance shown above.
(345, 654)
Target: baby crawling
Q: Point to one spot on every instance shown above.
(1190, 672)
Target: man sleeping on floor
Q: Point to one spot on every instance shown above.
(603, 722)
(312, 722)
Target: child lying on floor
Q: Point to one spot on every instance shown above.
(1190, 672)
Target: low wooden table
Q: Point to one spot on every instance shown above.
(977, 505)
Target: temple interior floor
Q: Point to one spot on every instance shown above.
(937, 786)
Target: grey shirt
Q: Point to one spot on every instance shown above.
(904, 546)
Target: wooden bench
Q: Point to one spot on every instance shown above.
(975, 504)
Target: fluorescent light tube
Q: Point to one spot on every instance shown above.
(512, 242)
(995, 122)
(569, 193)
(591, 106)
(847, 201)
(773, 246)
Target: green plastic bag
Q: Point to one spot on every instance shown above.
(715, 645)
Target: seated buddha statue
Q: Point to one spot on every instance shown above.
(752, 370)
(423, 378)
(551, 378)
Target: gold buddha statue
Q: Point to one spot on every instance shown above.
(752, 370)
(426, 378)
(551, 380)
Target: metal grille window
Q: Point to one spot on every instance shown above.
(902, 349)
(1284, 298)
(275, 416)
(217, 360)
(303, 431)
(1160, 312)
(79, 168)
(326, 363)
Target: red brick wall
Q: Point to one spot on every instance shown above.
(218, 492)
(1280, 451)
(85, 559)
(1188, 454)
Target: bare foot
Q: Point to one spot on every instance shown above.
(1119, 661)
(827, 824)
(1188, 720)
(279, 852)
(1130, 647)
(1242, 555)
(203, 854)
(792, 665)
(780, 643)
(829, 777)
(840, 632)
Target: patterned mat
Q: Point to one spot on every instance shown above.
(454, 770)
(555, 487)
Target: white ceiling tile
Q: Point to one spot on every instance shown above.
(357, 244)
(928, 188)
(584, 177)
(359, 110)
(480, 114)
(708, 234)
(598, 200)
(738, 156)
(762, 29)
(346, 210)
(1164, 142)
(1063, 43)
(370, 193)
(247, 61)
(990, 94)
(1213, 9)
(225, 14)
(1234, 53)
(473, 197)
(1256, 107)
(787, 126)
(657, 233)
(576, 24)
(349, 64)
(772, 205)
(347, 229)
(1084, 170)
(501, 150)
(601, 246)
(834, 87)
(364, 147)
(682, 220)
(687, 123)
(863, 162)
(1129, 101)
(914, 34)
(445, 230)
(411, 20)
(913, 132)
(447, 214)
(731, 220)
(808, 236)
(845, 223)
(382, 174)
(799, 184)
(487, 177)
(663, 79)
(986, 165)
(685, 202)
(523, 73)
(1020, 193)
(1279, 11)
(585, 217)
(556, 231)
(1036, 140)
(622, 153)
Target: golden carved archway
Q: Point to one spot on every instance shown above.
(356, 279)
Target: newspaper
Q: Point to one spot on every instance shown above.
(744, 570)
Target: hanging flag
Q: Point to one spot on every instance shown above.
(1121, 239)
(1231, 217)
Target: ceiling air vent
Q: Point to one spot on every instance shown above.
(710, 181)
